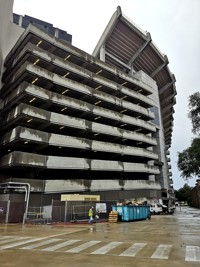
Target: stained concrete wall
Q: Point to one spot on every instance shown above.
(23, 134)
(99, 185)
(18, 158)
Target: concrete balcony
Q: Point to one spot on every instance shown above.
(18, 158)
(73, 51)
(86, 74)
(60, 120)
(120, 117)
(139, 167)
(140, 123)
(99, 185)
(23, 159)
(147, 101)
(123, 150)
(39, 139)
(103, 165)
(139, 152)
(46, 117)
(67, 163)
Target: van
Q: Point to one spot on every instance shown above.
(156, 208)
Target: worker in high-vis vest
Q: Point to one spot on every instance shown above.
(90, 214)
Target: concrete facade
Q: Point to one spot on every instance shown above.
(195, 195)
(74, 122)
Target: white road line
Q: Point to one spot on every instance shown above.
(12, 239)
(192, 253)
(61, 245)
(19, 243)
(133, 250)
(46, 242)
(67, 233)
(83, 246)
(6, 237)
(162, 252)
(106, 248)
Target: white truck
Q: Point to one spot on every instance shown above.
(156, 208)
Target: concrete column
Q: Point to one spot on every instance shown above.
(56, 32)
(20, 20)
(102, 53)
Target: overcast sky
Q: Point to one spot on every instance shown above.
(174, 26)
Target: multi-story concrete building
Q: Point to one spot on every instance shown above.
(71, 122)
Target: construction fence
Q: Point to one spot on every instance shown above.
(59, 211)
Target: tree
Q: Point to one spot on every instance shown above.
(194, 112)
(189, 160)
(184, 194)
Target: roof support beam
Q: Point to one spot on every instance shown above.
(166, 61)
(161, 90)
(140, 49)
(168, 100)
(167, 108)
(168, 137)
(118, 60)
(168, 131)
(168, 117)
(172, 111)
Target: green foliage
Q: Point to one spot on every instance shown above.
(189, 160)
(184, 194)
(194, 112)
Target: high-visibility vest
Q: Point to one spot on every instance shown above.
(90, 213)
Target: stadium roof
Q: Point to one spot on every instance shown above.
(128, 47)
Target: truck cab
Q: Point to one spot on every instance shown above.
(156, 208)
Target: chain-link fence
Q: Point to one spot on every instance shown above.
(68, 211)
(39, 214)
(59, 211)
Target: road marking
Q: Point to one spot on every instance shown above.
(83, 246)
(6, 236)
(66, 233)
(106, 248)
(46, 242)
(11, 239)
(192, 253)
(61, 245)
(162, 252)
(133, 250)
(20, 243)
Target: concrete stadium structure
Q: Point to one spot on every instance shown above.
(71, 122)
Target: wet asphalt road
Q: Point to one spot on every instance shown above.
(163, 241)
